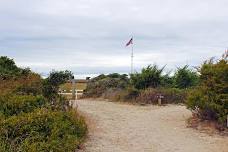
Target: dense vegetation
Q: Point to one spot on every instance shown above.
(33, 117)
(150, 77)
(203, 89)
(103, 83)
(185, 78)
(144, 87)
(209, 100)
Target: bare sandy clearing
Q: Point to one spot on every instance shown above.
(127, 128)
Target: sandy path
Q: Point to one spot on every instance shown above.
(127, 128)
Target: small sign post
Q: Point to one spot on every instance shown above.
(160, 99)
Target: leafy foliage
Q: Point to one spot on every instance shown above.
(210, 99)
(185, 78)
(8, 68)
(13, 104)
(42, 130)
(143, 87)
(167, 81)
(151, 76)
(17, 80)
(27, 121)
(52, 83)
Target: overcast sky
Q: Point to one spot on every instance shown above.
(89, 36)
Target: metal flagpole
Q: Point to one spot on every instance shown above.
(132, 56)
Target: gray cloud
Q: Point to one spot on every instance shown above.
(88, 36)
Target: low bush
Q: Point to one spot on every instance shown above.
(29, 84)
(148, 96)
(145, 86)
(124, 95)
(13, 104)
(112, 94)
(170, 95)
(103, 83)
(42, 130)
(117, 88)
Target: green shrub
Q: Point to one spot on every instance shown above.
(151, 76)
(51, 84)
(42, 130)
(210, 99)
(167, 81)
(185, 78)
(8, 69)
(13, 104)
(117, 88)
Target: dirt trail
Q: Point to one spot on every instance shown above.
(127, 128)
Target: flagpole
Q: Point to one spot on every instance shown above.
(132, 53)
(132, 56)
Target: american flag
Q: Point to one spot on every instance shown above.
(130, 42)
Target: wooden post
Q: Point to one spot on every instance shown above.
(160, 99)
(73, 89)
(76, 97)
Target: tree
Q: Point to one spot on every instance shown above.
(52, 83)
(167, 81)
(184, 77)
(150, 76)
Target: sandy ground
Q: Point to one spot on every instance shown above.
(115, 127)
